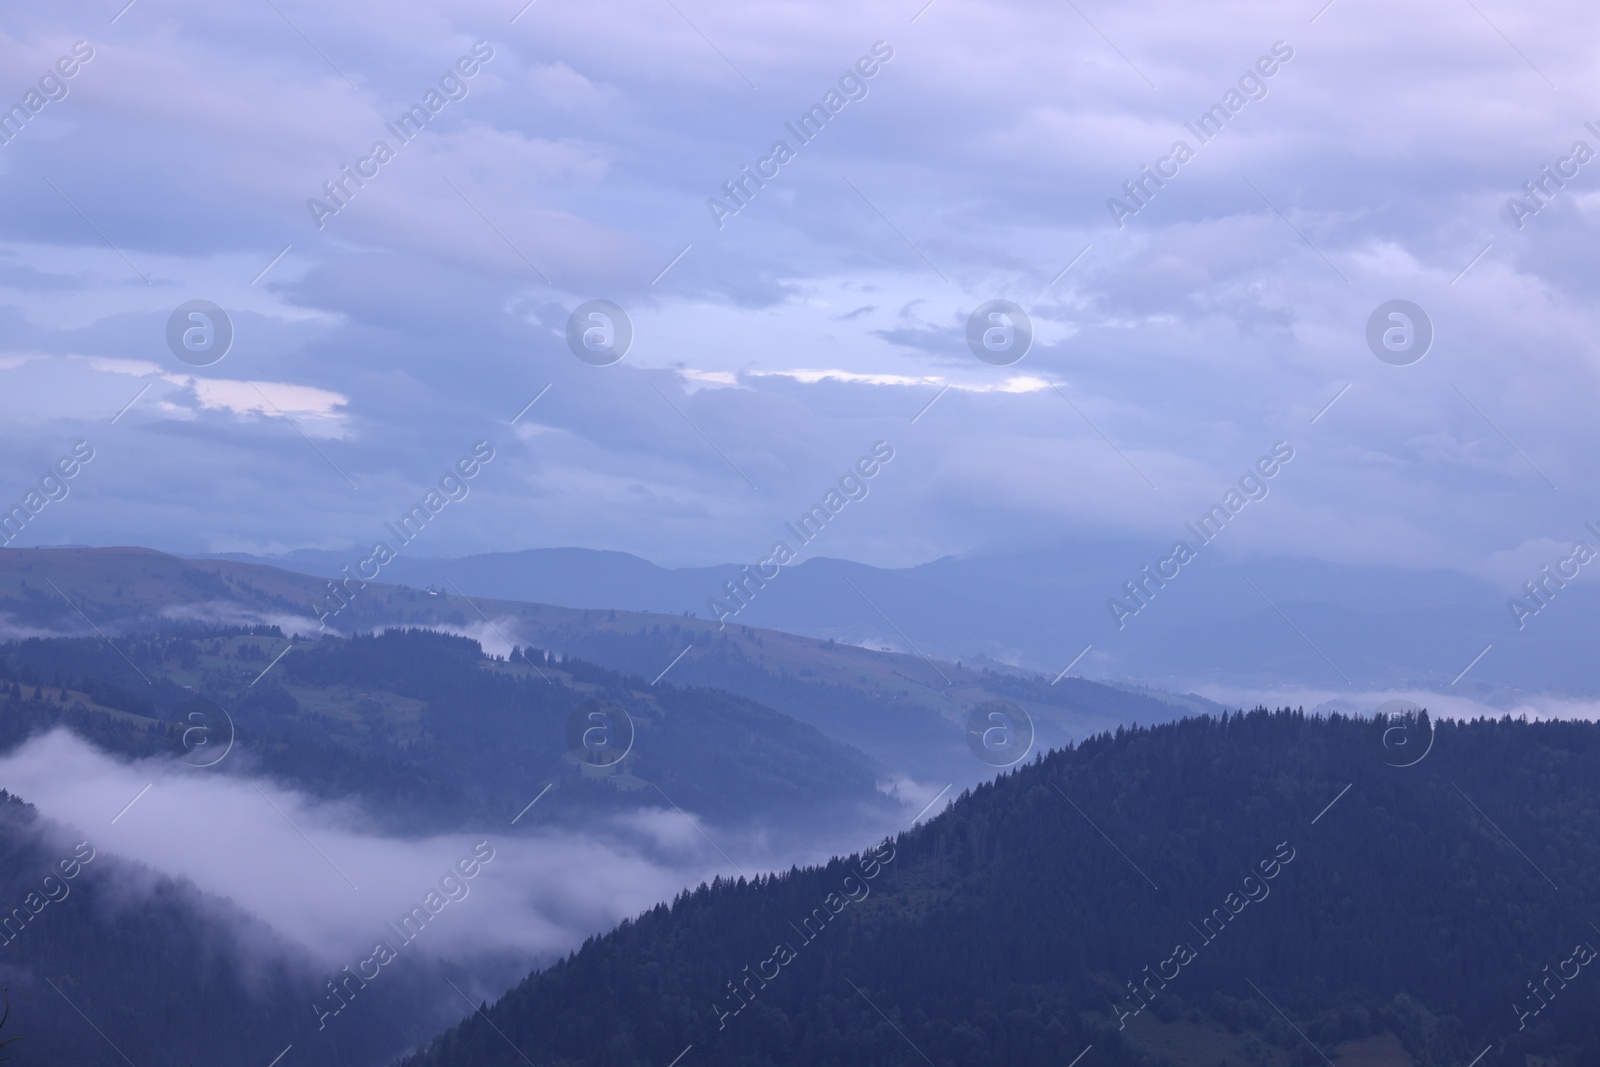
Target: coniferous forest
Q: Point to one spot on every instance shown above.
(1263, 886)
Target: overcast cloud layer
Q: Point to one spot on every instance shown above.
(1226, 314)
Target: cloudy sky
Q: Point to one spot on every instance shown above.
(378, 336)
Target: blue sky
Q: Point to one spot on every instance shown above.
(426, 313)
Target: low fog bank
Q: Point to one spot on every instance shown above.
(307, 868)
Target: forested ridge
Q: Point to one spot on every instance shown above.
(432, 731)
(890, 716)
(897, 708)
(1415, 904)
(175, 975)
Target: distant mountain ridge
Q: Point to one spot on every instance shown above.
(1272, 621)
(907, 711)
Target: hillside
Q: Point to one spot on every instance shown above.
(93, 945)
(907, 712)
(1263, 889)
(428, 731)
(418, 732)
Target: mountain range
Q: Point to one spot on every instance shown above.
(906, 710)
(1273, 621)
(731, 844)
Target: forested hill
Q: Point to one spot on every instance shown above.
(104, 963)
(906, 712)
(428, 731)
(1260, 889)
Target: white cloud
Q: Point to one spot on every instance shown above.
(314, 872)
(267, 397)
(1021, 384)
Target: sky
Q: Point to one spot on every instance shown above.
(1177, 335)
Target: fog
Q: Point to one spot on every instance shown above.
(307, 868)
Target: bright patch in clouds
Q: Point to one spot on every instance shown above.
(812, 377)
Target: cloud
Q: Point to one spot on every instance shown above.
(1015, 384)
(315, 872)
(1223, 316)
(224, 613)
(266, 397)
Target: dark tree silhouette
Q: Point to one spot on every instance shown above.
(4, 1016)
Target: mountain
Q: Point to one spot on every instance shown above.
(413, 731)
(431, 733)
(1269, 621)
(421, 734)
(907, 711)
(409, 730)
(93, 945)
(1256, 889)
